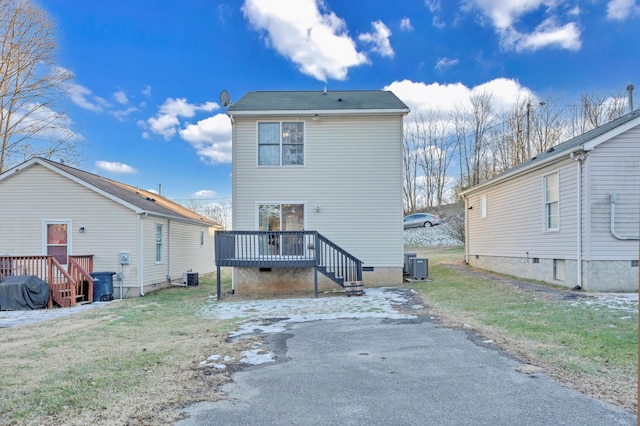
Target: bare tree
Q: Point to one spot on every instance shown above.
(409, 163)
(595, 110)
(30, 86)
(472, 128)
(219, 211)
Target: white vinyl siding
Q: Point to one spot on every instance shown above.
(614, 167)
(353, 171)
(516, 223)
(110, 228)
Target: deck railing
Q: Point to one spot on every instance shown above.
(286, 249)
(79, 268)
(67, 287)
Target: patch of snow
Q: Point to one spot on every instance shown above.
(257, 357)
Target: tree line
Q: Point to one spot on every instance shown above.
(446, 152)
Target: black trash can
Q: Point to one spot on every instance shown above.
(102, 286)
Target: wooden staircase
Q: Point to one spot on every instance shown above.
(67, 287)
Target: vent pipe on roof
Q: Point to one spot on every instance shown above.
(630, 90)
(159, 189)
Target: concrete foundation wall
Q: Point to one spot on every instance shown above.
(605, 276)
(254, 281)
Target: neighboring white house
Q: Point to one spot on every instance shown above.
(325, 161)
(159, 239)
(570, 216)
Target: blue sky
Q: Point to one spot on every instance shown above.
(148, 74)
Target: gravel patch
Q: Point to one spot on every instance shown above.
(438, 236)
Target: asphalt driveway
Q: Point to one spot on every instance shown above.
(363, 361)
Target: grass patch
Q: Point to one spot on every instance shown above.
(589, 346)
(132, 362)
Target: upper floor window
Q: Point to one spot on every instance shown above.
(281, 143)
(551, 200)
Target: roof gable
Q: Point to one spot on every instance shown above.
(140, 201)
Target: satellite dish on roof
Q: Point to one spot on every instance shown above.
(225, 99)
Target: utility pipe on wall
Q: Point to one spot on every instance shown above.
(141, 256)
(613, 222)
(579, 157)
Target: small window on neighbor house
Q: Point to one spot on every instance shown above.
(551, 198)
(159, 239)
(483, 206)
(201, 238)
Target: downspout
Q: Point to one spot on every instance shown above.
(169, 252)
(466, 229)
(141, 256)
(613, 222)
(579, 156)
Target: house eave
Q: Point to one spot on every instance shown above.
(527, 169)
(317, 112)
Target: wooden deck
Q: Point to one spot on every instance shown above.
(68, 287)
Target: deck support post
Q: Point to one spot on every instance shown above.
(218, 282)
(315, 281)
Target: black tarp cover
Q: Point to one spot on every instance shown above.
(23, 292)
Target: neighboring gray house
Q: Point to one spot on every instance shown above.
(315, 174)
(53, 209)
(570, 216)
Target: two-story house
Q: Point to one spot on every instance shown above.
(317, 187)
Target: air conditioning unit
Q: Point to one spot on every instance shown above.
(419, 268)
(190, 279)
(406, 270)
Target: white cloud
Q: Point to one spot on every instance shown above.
(205, 193)
(548, 34)
(211, 138)
(507, 15)
(435, 8)
(146, 91)
(166, 122)
(116, 167)
(317, 42)
(123, 113)
(379, 38)
(444, 63)
(451, 97)
(405, 24)
(84, 98)
(619, 10)
(121, 97)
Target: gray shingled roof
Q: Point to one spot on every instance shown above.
(319, 101)
(144, 200)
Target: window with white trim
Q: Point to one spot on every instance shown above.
(551, 202)
(159, 241)
(281, 143)
(201, 238)
(483, 206)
